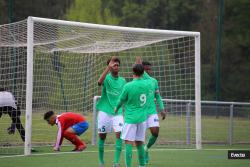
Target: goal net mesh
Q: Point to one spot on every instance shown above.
(67, 62)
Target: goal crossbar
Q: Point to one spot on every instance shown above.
(115, 28)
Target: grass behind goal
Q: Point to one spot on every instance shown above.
(159, 157)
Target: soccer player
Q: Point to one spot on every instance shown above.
(8, 106)
(70, 126)
(112, 85)
(153, 119)
(134, 97)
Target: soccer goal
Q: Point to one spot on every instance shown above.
(54, 65)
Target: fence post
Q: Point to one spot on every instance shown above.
(230, 130)
(188, 123)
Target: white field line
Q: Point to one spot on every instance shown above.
(154, 150)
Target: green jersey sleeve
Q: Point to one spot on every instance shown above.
(158, 96)
(122, 98)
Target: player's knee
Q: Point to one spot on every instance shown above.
(69, 130)
(154, 131)
(102, 136)
(155, 134)
(118, 135)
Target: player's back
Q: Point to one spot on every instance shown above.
(7, 99)
(135, 106)
(69, 119)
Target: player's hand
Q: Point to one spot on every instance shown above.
(11, 130)
(138, 60)
(56, 149)
(112, 63)
(163, 114)
(115, 110)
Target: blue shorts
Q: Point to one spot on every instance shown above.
(80, 128)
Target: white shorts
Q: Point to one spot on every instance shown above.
(134, 132)
(153, 121)
(107, 122)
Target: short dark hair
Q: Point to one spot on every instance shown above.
(138, 69)
(2, 89)
(48, 114)
(146, 63)
(116, 59)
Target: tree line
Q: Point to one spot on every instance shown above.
(187, 15)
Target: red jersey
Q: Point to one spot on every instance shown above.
(64, 121)
(69, 119)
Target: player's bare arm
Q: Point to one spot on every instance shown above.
(163, 114)
(104, 73)
(118, 106)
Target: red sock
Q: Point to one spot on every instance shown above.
(73, 138)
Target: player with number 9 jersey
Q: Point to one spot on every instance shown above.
(135, 95)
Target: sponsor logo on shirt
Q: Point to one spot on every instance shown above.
(116, 93)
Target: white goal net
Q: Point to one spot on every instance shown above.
(54, 65)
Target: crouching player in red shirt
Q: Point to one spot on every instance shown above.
(70, 126)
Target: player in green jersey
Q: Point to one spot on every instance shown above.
(153, 119)
(112, 85)
(134, 97)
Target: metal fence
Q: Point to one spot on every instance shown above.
(224, 123)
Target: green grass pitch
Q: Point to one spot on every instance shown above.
(159, 157)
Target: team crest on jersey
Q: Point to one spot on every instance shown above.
(120, 124)
(156, 120)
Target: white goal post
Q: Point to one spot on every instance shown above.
(58, 63)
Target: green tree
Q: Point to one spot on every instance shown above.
(235, 51)
(3, 12)
(90, 11)
(207, 27)
(24, 8)
(193, 15)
